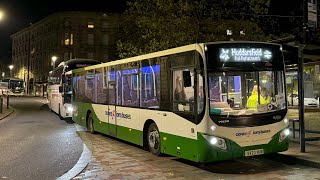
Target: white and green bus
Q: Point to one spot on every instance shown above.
(202, 102)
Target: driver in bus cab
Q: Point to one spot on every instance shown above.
(252, 102)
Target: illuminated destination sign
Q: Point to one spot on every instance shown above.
(244, 54)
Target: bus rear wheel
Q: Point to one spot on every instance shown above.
(154, 139)
(90, 126)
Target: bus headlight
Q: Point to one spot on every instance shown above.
(284, 134)
(216, 141)
(70, 109)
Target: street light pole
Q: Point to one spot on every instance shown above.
(301, 79)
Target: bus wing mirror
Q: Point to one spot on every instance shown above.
(186, 78)
(60, 89)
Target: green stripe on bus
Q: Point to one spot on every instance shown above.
(199, 150)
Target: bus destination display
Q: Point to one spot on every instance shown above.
(244, 54)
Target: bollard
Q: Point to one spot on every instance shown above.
(1, 104)
(7, 101)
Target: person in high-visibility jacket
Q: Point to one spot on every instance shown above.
(252, 102)
(264, 96)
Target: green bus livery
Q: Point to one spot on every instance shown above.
(201, 102)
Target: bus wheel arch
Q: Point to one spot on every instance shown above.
(89, 122)
(151, 137)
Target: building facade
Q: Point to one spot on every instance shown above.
(66, 35)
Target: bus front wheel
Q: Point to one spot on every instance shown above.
(90, 126)
(154, 139)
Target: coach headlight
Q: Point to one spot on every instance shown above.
(216, 141)
(284, 134)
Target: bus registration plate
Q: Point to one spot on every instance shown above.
(254, 152)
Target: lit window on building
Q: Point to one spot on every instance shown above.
(90, 25)
(71, 39)
(66, 39)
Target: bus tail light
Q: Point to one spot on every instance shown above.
(216, 141)
(284, 134)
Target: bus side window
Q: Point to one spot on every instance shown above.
(183, 97)
(150, 84)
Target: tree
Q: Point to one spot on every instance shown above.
(153, 25)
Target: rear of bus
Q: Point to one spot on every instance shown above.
(59, 92)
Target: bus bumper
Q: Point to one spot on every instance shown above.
(211, 153)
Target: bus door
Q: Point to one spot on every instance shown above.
(112, 95)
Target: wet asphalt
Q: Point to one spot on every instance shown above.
(35, 143)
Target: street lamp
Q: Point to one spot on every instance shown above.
(1, 15)
(54, 58)
(11, 67)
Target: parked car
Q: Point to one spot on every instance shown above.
(293, 101)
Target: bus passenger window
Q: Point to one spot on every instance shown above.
(150, 86)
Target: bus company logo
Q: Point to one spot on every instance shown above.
(278, 117)
(252, 132)
(224, 121)
(117, 114)
(224, 55)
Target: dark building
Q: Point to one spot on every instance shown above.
(65, 35)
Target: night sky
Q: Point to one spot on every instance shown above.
(20, 13)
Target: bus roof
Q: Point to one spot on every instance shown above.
(76, 61)
(198, 47)
(181, 49)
